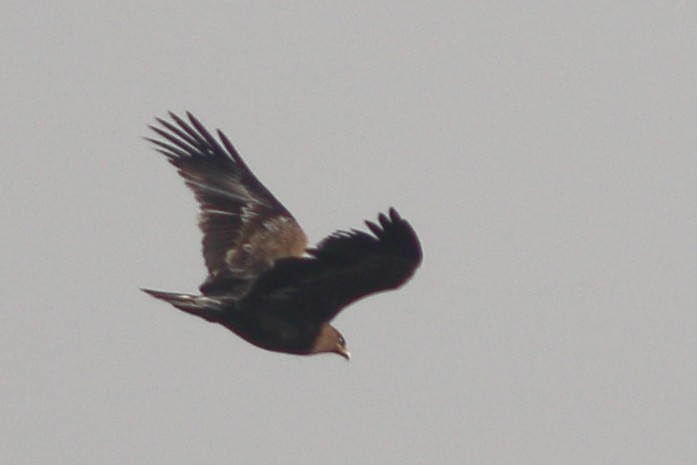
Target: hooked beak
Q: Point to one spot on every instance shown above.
(343, 352)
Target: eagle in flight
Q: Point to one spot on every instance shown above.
(263, 283)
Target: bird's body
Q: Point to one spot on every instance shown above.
(258, 323)
(263, 284)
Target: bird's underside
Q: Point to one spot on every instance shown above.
(263, 283)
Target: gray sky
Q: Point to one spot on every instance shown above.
(545, 153)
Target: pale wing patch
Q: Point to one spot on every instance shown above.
(262, 243)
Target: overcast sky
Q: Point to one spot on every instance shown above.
(546, 154)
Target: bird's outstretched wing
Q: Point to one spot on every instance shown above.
(344, 267)
(245, 228)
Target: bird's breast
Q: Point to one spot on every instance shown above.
(272, 331)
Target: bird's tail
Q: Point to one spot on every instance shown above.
(208, 308)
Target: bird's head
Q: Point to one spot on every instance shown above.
(331, 340)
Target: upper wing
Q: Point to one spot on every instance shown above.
(245, 228)
(344, 267)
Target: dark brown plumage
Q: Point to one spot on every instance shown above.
(263, 284)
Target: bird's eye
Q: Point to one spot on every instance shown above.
(342, 342)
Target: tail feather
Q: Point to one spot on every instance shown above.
(208, 308)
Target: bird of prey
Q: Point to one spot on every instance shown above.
(263, 283)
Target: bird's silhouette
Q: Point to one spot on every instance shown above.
(263, 283)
